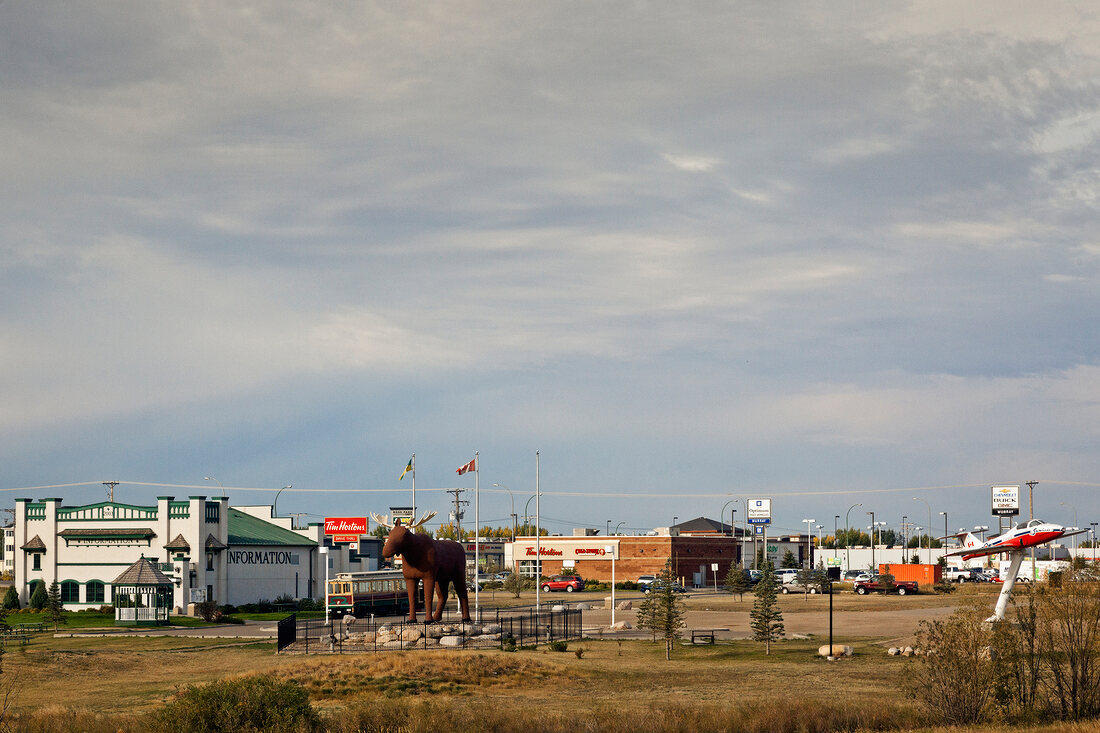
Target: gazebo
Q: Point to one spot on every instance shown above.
(142, 595)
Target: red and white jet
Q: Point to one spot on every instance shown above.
(1013, 543)
(1022, 536)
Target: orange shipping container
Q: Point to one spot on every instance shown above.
(925, 575)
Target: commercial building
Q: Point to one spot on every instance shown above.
(210, 550)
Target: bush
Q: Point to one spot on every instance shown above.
(559, 646)
(249, 704)
(208, 610)
(39, 599)
(11, 599)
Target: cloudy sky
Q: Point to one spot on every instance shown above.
(827, 254)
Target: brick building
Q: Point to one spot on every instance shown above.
(590, 557)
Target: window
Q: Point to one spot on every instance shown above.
(94, 592)
(37, 561)
(210, 561)
(70, 591)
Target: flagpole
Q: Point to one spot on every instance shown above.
(538, 549)
(477, 535)
(413, 461)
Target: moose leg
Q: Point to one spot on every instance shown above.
(429, 592)
(460, 591)
(410, 586)
(441, 594)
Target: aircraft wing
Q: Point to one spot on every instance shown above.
(975, 551)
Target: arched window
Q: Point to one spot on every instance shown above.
(70, 591)
(93, 591)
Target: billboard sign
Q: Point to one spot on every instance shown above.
(404, 513)
(1006, 501)
(760, 511)
(346, 525)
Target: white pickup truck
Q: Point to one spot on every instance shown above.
(960, 575)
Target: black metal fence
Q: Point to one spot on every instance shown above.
(502, 628)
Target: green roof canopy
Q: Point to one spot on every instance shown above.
(245, 529)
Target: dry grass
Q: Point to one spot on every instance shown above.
(81, 684)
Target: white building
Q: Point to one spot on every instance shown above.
(8, 555)
(209, 549)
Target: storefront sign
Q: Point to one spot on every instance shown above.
(1006, 501)
(401, 512)
(259, 557)
(760, 511)
(345, 538)
(346, 525)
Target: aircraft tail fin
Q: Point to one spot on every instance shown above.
(971, 540)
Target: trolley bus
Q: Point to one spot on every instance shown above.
(378, 592)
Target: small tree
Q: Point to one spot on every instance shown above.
(737, 581)
(513, 583)
(647, 613)
(956, 678)
(820, 578)
(804, 578)
(767, 619)
(38, 597)
(55, 609)
(668, 616)
(789, 560)
(11, 599)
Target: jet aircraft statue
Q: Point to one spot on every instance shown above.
(1013, 543)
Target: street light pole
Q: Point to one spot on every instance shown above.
(944, 533)
(513, 514)
(619, 525)
(275, 504)
(1071, 506)
(872, 541)
(917, 498)
(219, 483)
(809, 535)
(324, 556)
(848, 537)
(836, 518)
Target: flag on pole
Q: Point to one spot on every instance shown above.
(407, 469)
(471, 466)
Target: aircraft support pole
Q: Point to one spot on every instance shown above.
(1016, 559)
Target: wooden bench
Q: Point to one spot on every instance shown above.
(702, 636)
(27, 628)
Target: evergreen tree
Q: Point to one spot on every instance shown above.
(11, 600)
(767, 619)
(668, 616)
(54, 609)
(789, 560)
(647, 613)
(38, 597)
(820, 578)
(737, 581)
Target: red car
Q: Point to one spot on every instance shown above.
(567, 583)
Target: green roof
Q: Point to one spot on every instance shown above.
(245, 529)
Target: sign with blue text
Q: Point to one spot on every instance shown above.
(760, 511)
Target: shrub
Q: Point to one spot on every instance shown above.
(559, 646)
(39, 599)
(208, 610)
(249, 704)
(956, 678)
(11, 599)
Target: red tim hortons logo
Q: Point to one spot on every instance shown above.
(345, 525)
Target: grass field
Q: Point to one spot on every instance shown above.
(109, 683)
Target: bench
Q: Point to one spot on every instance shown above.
(27, 628)
(702, 636)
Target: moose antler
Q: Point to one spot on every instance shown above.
(384, 520)
(423, 519)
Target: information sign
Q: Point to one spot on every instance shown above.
(1006, 501)
(760, 511)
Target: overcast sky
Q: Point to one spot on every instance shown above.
(827, 253)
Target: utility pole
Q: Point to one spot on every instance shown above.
(456, 515)
(1030, 516)
(110, 490)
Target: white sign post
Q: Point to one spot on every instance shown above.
(714, 567)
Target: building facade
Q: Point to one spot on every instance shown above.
(210, 550)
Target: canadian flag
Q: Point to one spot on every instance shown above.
(471, 466)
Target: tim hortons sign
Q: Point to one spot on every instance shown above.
(346, 525)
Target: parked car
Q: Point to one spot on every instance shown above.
(854, 575)
(785, 574)
(567, 583)
(875, 584)
(955, 574)
(754, 576)
(645, 580)
(793, 586)
(656, 586)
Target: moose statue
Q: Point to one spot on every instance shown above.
(436, 562)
